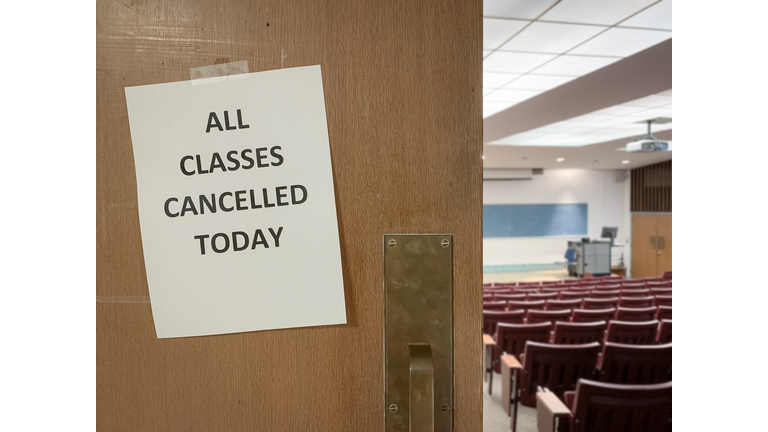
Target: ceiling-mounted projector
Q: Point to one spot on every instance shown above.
(649, 143)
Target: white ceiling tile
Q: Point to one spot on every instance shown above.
(486, 52)
(589, 118)
(514, 62)
(654, 113)
(622, 42)
(496, 80)
(604, 12)
(651, 101)
(666, 93)
(574, 65)
(498, 31)
(538, 82)
(551, 38)
(658, 16)
(523, 9)
(619, 110)
(503, 95)
(487, 90)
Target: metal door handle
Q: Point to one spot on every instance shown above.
(422, 388)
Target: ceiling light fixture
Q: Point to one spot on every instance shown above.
(560, 159)
(482, 157)
(625, 162)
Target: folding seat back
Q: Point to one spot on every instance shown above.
(592, 315)
(658, 284)
(556, 367)
(633, 285)
(552, 289)
(511, 338)
(494, 305)
(604, 294)
(664, 300)
(667, 275)
(570, 295)
(653, 279)
(492, 318)
(664, 334)
(632, 333)
(637, 302)
(507, 297)
(608, 287)
(550, 283)
(582, 288)
(526, 284)
(635, 364)
(488, 285)
(538, 316)
(487, 297)
(566, 333)
(601, 303)
(635, 292)
(524, 290)
(618, 407)
(542, 296)
(636, 314)
(664, 312)
(563, 304)
(525, 305)
(661, 291)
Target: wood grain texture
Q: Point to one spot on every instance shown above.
(402, 82)
(643, 255)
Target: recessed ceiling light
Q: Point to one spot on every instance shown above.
(625, 162)
(525, 158)
(482, 157)
(560, 159)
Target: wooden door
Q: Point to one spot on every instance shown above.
(664, 247)
(402, 83)
(651, 244)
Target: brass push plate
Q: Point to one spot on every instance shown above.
(418, 332)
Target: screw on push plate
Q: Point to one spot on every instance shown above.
(393, 407)
(392, 242)
(444, 243)
(445, 407)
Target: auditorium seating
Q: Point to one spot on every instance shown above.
(534, 369)
(636, 302)
(538, 316)
(568, 333)
(635, 364)
(632, 333)
(664, 334)
(636, 314)
(511, 339)
(601, 303)
(593, 315)
(562, 304)
(491, 318)
(664, 312)
(596, 406)
(525, 305)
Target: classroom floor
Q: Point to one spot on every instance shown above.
(494, 417)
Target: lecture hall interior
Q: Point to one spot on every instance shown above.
(405, 215)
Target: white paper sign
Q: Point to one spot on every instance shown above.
(236, 203)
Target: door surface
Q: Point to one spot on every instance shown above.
(651, 244)
(402, 84)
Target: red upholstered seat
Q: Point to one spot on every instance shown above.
(570, 295)
(664, 334)
(542, 296)
(566, 333)
(602, 303)
(632, 333)
(556, 367)
(494, 305)
(663, 300)
(507, 297)
(539, 316)
(525, 305)
(511, 339)
(605, 294)
(637, 302)
(563, 304)
(664, 312)
(605, 407)
(635, 364)
(636, 314)
(492, 318)
(587, 315)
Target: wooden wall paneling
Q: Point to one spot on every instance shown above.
(643, 255)
(402, 81)
(664, 229)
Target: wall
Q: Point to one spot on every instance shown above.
(597, 188)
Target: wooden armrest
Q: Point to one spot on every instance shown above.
(488, 340)
(549, 408)
(511, 362)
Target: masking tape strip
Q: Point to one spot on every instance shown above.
(218, 72)
(122, 299)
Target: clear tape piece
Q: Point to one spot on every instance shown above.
(219, 70)
(122, 299)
